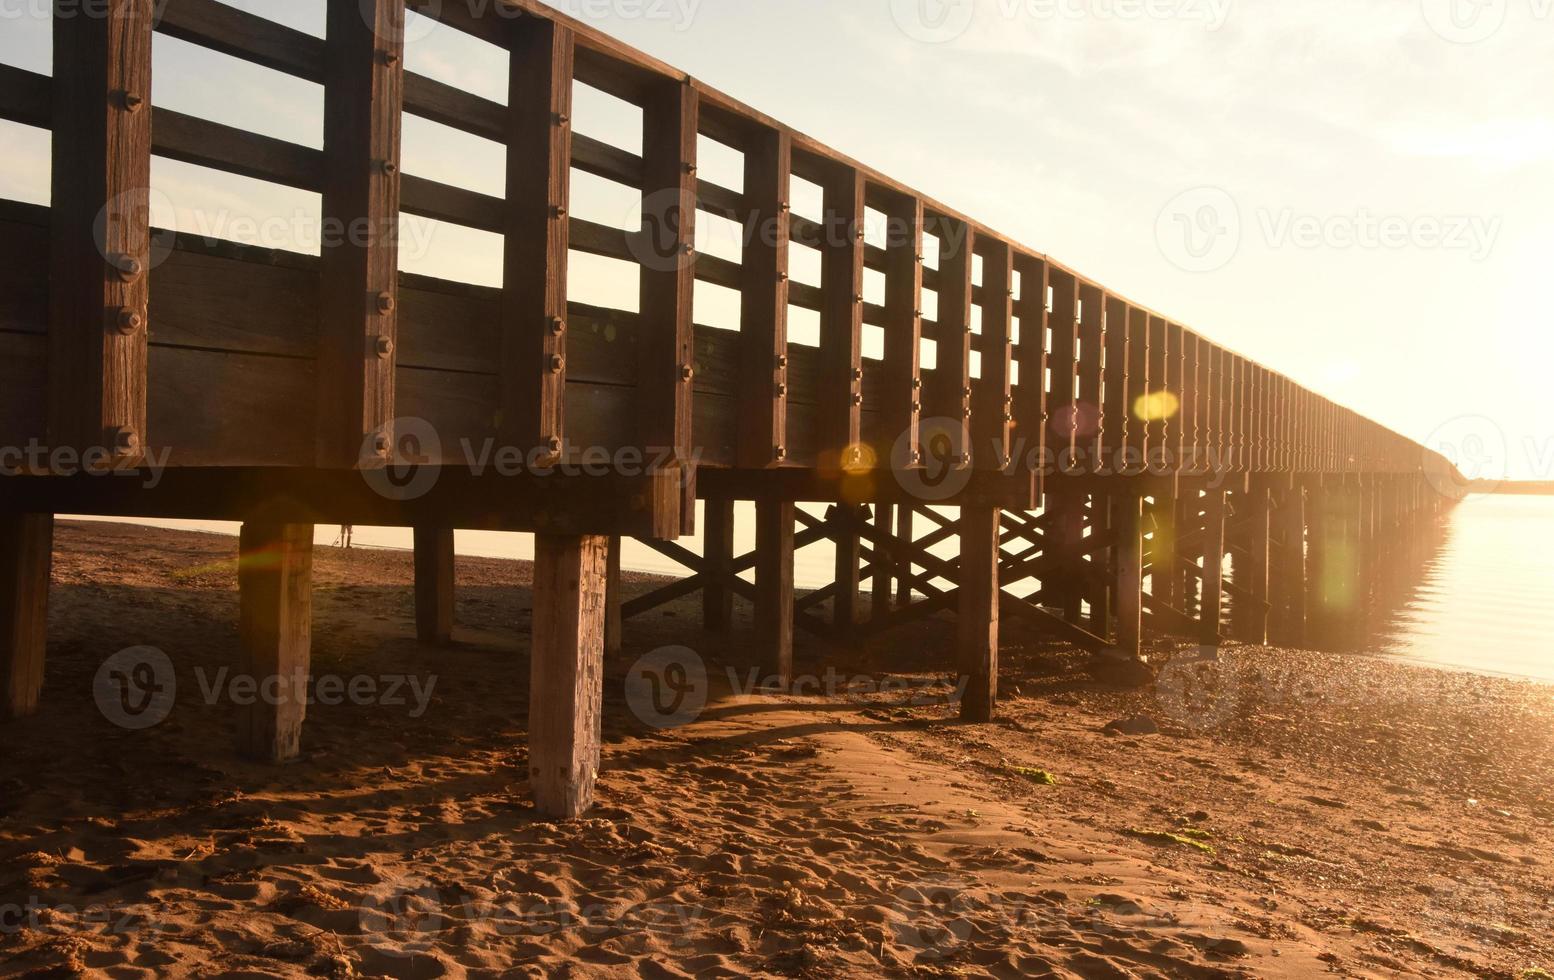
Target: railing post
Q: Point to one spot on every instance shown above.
(763, 311)
(359, 266)
(903, 326)
(533, 369)
(100, 234)
(841, 319)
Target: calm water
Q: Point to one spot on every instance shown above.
(1483, 600)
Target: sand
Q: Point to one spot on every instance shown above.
(1273, 814)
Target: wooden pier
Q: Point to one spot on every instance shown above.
(1133, 473)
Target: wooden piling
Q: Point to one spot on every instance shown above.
(566, 672)
(1213, 566)
(884, 565)
(275, 630)
(1129, 512)
(614, 627)
(717, 609)
(774, 588)
(1250, 573)
(26, 553)
(978, 611)
(434, 585)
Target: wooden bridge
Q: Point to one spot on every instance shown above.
(1069, 438)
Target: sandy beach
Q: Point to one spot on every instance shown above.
(1257, 813)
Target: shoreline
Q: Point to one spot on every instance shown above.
(1262, 813)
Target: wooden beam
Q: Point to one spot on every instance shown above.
(841, 320)
(947, 390)
(275, 630)
(566, 672)
(666, 251)
(1115, 403)
(848, 579)
(774, 588)
(1063, 365)
(884, 563)
(1030, 394)
(26, 555)
(434, 585)
(763, 311)
(979, 597)
(359, 270)
(532, 371)
(100, 241)
(1251, 568)
(614, 599)
(1091, 356)
(718, 547)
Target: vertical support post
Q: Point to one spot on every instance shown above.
(275, 628)
(717, 601)
(1030, 394)
(1129, 511)
(1252, 569)
(614, 627)
(1163, 574)
(948, 393)
(845, 604)
(26, 556)
(994, 409)
(763, 310)
(1292, 571)
(1213, 565)
(566, 672)
(905, 533)
(841, 319)
(1091, 357)
(901, 367)
(100, 236)
(532, 369)
(359, 273)
(884, 562)
(434, 585)
(670, 111)
(774, 588)
(978, 611)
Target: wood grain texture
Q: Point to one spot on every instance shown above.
(666, 251)
(26, 558)
(947, 388)
(841, 318)
(993, 405)
(718, 537)
(900, 389)
(566, 672)
(533, 360)
(774, 588)
(359, 268)
(100, 236)
(275, 629)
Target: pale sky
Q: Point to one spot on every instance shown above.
(1389, 165)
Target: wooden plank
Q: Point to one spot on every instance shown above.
(666, 253)
(359, 271)
(841, 320)
(978, 597)
(774, 589)
(100, 235)
(901, 368)
(533, 369)
(566, 672)
(763, 311)
(993, 408)
(275, 599)
(26, 556)
(434, 585)
(718, 550)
